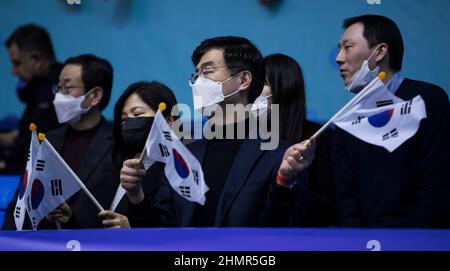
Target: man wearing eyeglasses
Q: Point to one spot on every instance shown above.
(85, 139)
(230, 71)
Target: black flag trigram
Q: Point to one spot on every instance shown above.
(358, 120)
(164, 150)
(18, 209)
(384, 103)
(185, 191)
(406, 108)
(391, 134)
(28, 156)
(167, 135)
(195, 174)
(56, 187)
(40, 164)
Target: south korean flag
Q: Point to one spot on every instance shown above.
(20, 209)
(52, 184)
(381, 118)
(182, 169)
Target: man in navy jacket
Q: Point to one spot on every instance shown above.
(238, 171)
(409, 187)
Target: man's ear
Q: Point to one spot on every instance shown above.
(94, 97)
(245, 80)
(381, 52)
(36, 59)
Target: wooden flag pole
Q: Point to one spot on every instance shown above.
(58, 225)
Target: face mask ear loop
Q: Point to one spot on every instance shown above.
(371, 55)
(226, 80)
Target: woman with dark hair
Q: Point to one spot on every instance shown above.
(314, 203)
(134, 113)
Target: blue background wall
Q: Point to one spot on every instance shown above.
(154, 39)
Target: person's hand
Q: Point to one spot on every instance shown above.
(296, 159)
(114, 220)
(62, 214)
(131, 180)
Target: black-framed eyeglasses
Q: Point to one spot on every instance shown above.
(63, 89)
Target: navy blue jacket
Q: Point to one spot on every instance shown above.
(243, 203)
(409, 187)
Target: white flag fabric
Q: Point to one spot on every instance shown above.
(380, 118)
(20, 210)
(182, 169)
(53, 183)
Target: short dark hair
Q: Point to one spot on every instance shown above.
(380, 29)
(285, 78)
(239, 54)
(31, 37)
(152, 93)
(95, 72)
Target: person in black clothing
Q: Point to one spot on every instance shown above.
(314, 203)
(33, 62)
(134, 113)
(85, 139)
(238, 171)
(409, 187)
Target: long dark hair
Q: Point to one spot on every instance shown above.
(152, 93)
(285, 78)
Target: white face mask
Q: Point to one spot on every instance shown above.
(260, 105)
(68, 108)
(363, 76)
(208, 94)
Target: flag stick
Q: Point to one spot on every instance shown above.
(351, 103)
(80, 183)
(58, 225)
(141, 158)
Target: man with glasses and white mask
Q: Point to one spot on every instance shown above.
(239, 173)
(85, 141)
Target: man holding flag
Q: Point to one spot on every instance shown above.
(52, 182)
(85, 139)
(391, 150)
(236, 174)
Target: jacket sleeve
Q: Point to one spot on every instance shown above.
(433, 207)
(349, 213)
(157, 208)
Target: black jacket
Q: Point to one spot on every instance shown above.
(314, 201)
(38, 98)
(409, 187)
(95, 171)
(244, 201)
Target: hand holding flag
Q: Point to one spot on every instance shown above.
(182, 169)
(53, 182)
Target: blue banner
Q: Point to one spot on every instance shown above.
(229, 239)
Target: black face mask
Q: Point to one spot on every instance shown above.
(135, 132)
